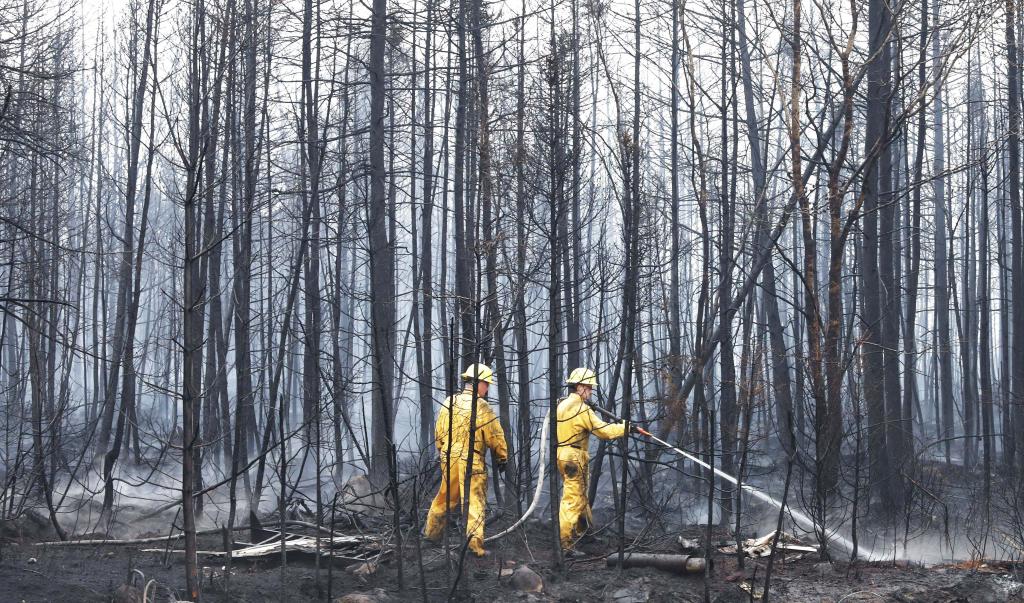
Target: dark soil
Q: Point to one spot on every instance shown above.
(92, 573)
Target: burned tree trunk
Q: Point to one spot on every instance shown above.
(524, 476)
(874, 141)
(945, 360)
(127, 303)
(426, 276)
(384, 467)
(1014, 451)
(555, 214)
(463, 229)
(727, 360)
(192, 322)
(781, 380)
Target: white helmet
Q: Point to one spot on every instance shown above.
(478, 372)
(582, 376)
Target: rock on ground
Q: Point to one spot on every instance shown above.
(526, 580)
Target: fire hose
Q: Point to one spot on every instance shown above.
(540, 482)
(799, 518)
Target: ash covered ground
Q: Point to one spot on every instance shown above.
(93, 572)
(943, 560)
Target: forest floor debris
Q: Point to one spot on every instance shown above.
(755, 590)
(354, 549)
(635, 592)
(762, 546)
(93, 573)
(377, 595)
(363, 570)
(29, 526)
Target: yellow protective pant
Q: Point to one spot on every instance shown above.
(573, 464)
(448, 496)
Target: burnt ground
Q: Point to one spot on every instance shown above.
(93, 573)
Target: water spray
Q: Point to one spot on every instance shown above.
(799, 518)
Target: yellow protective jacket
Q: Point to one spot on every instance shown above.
(489, 433)
(576, 421)
(451, 435)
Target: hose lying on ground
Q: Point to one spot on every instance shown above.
(540, 483)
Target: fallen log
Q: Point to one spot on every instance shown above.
(130, 541)
(179, 551)
(348, 548)
(677, 564)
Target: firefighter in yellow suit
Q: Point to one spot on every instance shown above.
(451, 434)
(576, 421)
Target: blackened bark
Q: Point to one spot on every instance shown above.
(945, 359)
(874, 393)
(426, 247)
(1013, 450)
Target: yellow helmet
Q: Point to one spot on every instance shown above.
(582, 376)
(478, 372)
